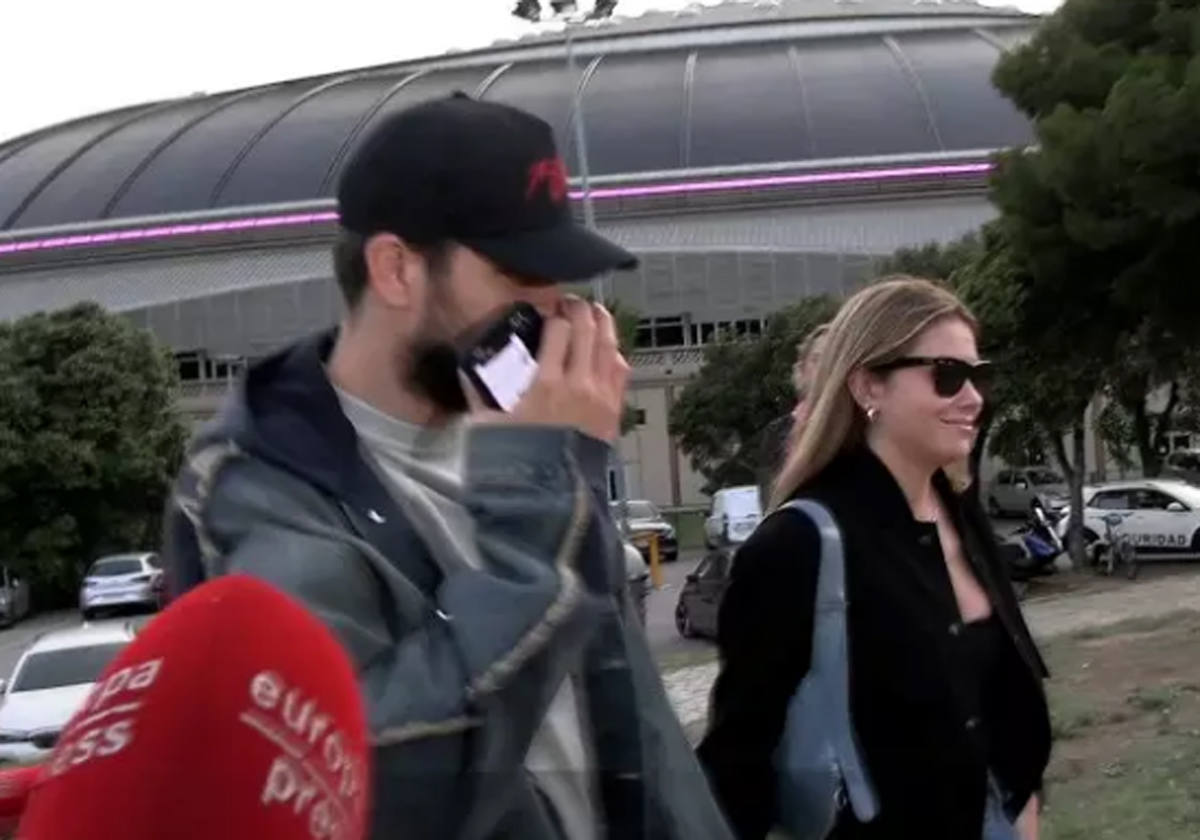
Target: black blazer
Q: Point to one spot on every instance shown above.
(922, 738)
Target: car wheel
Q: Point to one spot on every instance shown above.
(683, 622)
(88, 615)
(994, 508)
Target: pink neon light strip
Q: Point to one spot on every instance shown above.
(771, 181)
(649, 190)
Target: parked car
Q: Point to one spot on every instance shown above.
(643, 517)
(122, 581)
(736, 512)
(1160, 516)
(14, 597)
(50, 683)
(1013, 491)
(700, 598)
(1184, 465)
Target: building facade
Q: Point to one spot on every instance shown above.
(751, 154)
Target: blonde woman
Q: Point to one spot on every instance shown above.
(946, 682)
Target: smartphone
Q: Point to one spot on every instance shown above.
(502, 363)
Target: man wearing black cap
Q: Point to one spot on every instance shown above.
(464, 557)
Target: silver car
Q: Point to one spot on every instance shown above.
(14, 597)
(51, 682)
(1013, 491)
(122, 581)
(645, 518)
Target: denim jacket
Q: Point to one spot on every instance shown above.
(457, 665)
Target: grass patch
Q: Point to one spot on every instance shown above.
(1068, 724)
(1126, 715)
(1144, 624)
(1159, 699)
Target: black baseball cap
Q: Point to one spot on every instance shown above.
(482, 174)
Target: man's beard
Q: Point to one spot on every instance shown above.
(433, 373)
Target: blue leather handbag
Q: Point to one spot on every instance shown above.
(819, 764)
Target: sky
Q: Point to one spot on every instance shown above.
(68, 58)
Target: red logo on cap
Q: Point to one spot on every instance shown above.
(549, 174)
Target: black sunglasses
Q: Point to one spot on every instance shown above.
(949, 375)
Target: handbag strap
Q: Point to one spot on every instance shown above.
(830, 662)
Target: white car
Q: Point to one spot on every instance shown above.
(1161, 516)
(122, 581)
(51, 681)
(736, 512)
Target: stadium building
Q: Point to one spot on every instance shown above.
(750, 153)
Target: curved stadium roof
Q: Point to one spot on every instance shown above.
(746, 83)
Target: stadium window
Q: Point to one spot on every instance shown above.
(668, 332)
(708, 333)
(644, 338)
(188, 365)
(639, 417)
(226, 367)
(660, 332)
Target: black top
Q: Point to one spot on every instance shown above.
(935, 704)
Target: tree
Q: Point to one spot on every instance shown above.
(1100, 221)
(1105, 212)
(743, 386)
(934, 260)
(89, 442)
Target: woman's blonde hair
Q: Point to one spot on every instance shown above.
(875, 326)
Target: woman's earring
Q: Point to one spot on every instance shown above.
(872, 414)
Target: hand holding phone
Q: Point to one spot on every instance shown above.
(502, 364)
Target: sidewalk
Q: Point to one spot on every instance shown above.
(688, 688)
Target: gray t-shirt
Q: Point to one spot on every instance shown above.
(423, 467)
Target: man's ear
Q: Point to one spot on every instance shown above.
(394, 270)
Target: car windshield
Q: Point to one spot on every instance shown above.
(69, 666)
(1044, 477)
(116, 566)
(743, 502)
(641, 510)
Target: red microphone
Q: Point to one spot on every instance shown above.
(234, 714)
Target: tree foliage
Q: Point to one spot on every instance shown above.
(1100, 221)
(1105, 213)
(89, 441)
(744, 385)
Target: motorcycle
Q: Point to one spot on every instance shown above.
(1032, 550)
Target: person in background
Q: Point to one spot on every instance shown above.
(780, 433)
(945, 681)
(804, 371)
(466, 558)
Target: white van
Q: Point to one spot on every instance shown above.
(736, 512)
